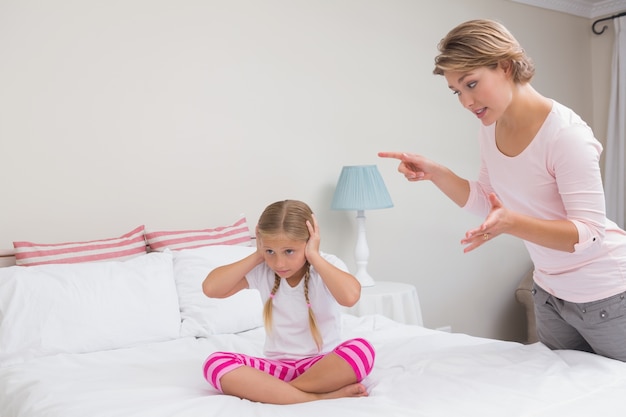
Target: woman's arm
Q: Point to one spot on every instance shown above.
(417, 168)
(554, 234)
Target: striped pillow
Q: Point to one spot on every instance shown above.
(124, 247)
(237, 233)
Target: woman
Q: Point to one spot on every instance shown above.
(540, 181)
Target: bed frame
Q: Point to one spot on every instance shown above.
(7, 257)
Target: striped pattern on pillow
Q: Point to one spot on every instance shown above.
(124, 247)
(237, 233)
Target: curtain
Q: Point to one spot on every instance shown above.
(614, 178)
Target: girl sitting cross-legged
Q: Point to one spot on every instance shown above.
(303, 290)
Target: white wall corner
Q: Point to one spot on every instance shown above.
(584, 8)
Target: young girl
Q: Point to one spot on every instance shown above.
(540, 181)
(303, 290)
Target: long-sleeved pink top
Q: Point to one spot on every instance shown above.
(558, 177)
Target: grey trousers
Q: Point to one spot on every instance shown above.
(597, 326)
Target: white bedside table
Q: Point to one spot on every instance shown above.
(395, 300)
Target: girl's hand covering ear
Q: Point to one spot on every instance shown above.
(313, 244)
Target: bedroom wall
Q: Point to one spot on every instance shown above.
(186, 114)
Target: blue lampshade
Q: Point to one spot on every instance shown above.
(360, 187)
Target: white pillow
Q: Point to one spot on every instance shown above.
(203, 316)
(85, 307)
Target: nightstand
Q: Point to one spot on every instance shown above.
(396, 300)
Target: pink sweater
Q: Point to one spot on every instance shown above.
(558, 177)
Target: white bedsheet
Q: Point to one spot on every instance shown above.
(418, 372)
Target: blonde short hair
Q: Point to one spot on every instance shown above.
(482, 43)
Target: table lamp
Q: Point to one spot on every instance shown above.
(360, 188)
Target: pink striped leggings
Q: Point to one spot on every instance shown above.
(358, 352)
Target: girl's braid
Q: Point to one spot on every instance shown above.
(267, 309)
(317, 337)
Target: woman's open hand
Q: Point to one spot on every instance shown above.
(493, 226)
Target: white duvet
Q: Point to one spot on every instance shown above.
(418, 372)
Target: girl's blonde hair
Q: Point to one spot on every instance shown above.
(288, 218)
(482, 43)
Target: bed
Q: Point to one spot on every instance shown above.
(126, 336)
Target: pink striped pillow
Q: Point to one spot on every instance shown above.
(237, 233)
(124, 247)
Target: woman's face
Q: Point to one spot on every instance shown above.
(484, 91)
(286, 257)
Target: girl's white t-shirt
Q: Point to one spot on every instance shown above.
(290, 336)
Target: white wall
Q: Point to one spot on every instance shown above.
(184, 114)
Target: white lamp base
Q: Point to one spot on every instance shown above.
(362, 253)
(365, 279)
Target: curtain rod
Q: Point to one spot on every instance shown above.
(601, 31)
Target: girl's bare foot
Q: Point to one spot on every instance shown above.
(352, 390)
